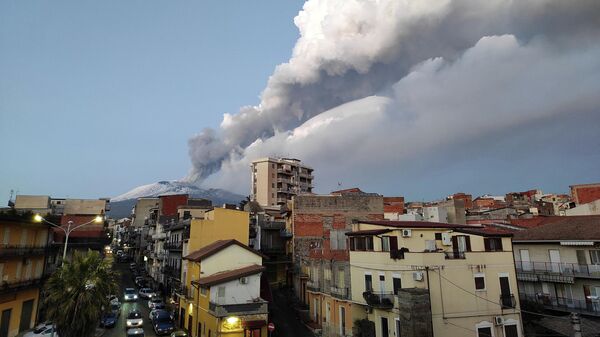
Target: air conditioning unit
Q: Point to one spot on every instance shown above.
(498, 320)
(418, 276)
(406, 233)
(243, 280)
(446, 239)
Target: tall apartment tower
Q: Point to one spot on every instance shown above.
(276, 180)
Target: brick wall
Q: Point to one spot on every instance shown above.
(582, 194)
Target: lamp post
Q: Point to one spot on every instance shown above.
(39, 218)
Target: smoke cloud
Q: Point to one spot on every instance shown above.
(415, 76)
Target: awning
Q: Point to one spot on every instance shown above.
(577, 243)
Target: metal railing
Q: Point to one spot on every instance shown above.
(508, 301)
(21, 250)
(174, 245)
(567, 269)
(313, 285)
(272, 225)
(15, 285)
(383, 300)
(454, 255)
(340, 292)
(588, 306)
(241, 309)
(284, 233)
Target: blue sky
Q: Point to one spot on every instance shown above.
(97, 97)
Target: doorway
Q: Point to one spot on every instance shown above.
(505, 294)
(5, 322)
(384, 327)
(26, 311)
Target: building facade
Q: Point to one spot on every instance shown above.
(276, 180)
(432, 279)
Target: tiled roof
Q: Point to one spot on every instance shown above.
(486, 231)
(229, 275)
(369, 232)
(563, 228)
(544, 220)
(215, 247)
(415, 224)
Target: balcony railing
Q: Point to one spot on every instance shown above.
(454, 255)
(186, 233)
(340, 292)
(16, 285)
(172, 272)
(560, 268)
(272, 225)
(382, 300)
(284, 233)
(174, 245)
(313, 285)
(21, 250)
(159, 236)
(242, 309)
(589, 306)
(508, 301)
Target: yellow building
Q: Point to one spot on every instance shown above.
(224, 291)
(433, 279)
(22, 256)
(218, 224)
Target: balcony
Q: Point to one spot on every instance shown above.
(272, 225)
(508, 301)
(381, 300)
(17, 285)
(543, 301)
(242, 309)
(174, 245)
(21, 250)
(313, 285)
(548, 269)
(340, 292)
(159, 236)
(454, 255)
(186, 233)
(172, 272)
(185, 292)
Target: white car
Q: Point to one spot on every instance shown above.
(134, 320)
(130, 294)
(147, 293)
(154, 301)
(42, 330)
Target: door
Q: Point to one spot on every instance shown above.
(384, 327)
(4, 323)
(393, 246)
(505, 292)
(190, 326)
(398, 330)
(382, 283)
(525, 261)
(182, 318)
(342, 321)
(554, 260)
(511, 331)
(26, 311)
(368, 282)
(581, 261)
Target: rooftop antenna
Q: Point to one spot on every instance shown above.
(10, 199)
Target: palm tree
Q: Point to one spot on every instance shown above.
(77, 294)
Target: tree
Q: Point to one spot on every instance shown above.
(77, 294)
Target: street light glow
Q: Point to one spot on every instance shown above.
(37, 218)
(98, 219)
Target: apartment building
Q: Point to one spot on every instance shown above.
(276, 180)
(432, 279)
(558, 265)
(584, 193)
(218, 224)
(321, 263)
(23, 245)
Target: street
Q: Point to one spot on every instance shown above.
(141, 305)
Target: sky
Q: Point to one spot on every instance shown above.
(414, 98)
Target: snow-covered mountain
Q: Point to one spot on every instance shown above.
(121, 205)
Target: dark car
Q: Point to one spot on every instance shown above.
(163, 323)
(109, 320)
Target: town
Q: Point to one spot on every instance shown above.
(289, 262)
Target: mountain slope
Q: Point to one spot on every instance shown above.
(121, 205)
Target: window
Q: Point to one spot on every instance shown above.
(595, 256)
(361, 243)
(341, 277)
(479, 281)
(385, 243)
(397, 284)
(368, 282)
(438, 236)
(203, 291)
(510, 330)
(484, 331)
(337, 239)
(382, 283)
(221, 292)
(492, 244)
(272, 185)
(327, 274)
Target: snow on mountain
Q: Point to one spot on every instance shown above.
(121, 205)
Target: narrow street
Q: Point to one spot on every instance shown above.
(140, 304)
(283, 315)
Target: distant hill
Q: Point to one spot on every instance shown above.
(121, 205)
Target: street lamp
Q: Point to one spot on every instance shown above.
(39, 218)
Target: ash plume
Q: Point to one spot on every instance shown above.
(350, 50)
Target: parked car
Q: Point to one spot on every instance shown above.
(134, 320)
(109, 320)
(163, 323)
(146, 293)
(132, 265)
(138, 332)
(179, 333)
(154, 301)
(130, 294)
(44, 330)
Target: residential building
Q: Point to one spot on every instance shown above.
(432, 279)
(584, 193)
(23, 246)
(39, 204)
(393, 207)
(276, 180)
(225, 291)
(591, 208)
(218, 224)
(466, 197)
(321, 276)
(558, 264)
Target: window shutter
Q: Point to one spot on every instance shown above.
(468, 242)
(486, 244)
(500, 244)
(455, 243)
(333, 240)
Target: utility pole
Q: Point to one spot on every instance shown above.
(576, 321)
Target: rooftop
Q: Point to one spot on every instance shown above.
(415, 224)
(228, 275)
(563, 228)
(216, 247)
